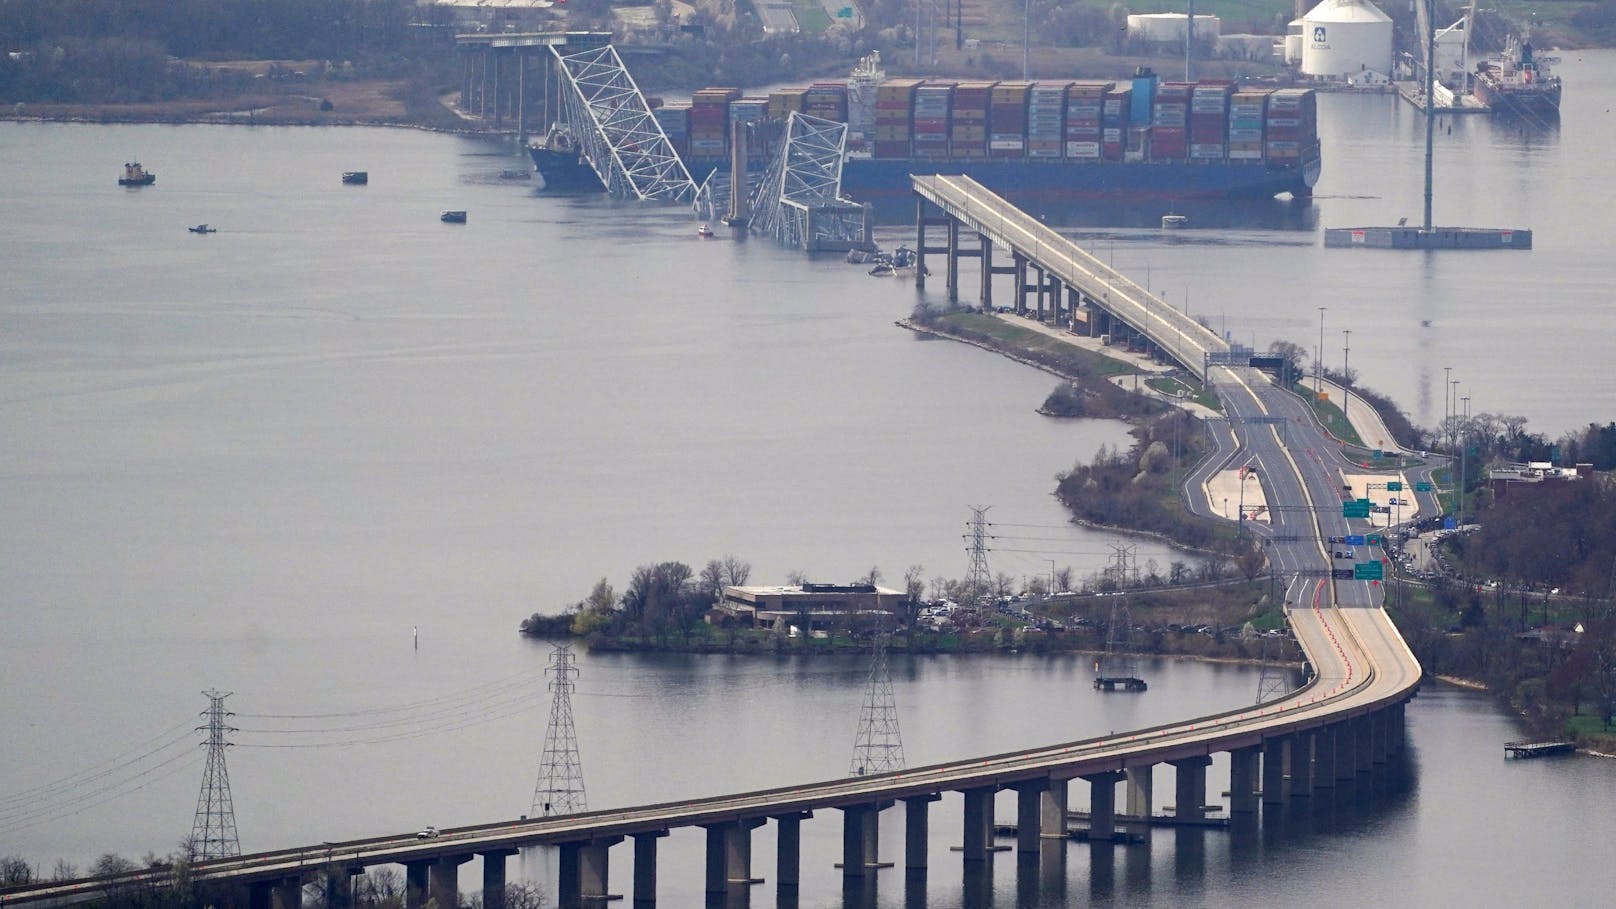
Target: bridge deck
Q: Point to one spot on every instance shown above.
(980, 209)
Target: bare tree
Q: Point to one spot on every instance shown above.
(873, 577)
(712, 579)
(15, 871)
(736, 571)
(796, 577)
(1003, 584)
(64, 870)
(1063, 579)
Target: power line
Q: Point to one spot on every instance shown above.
(878, 744)
(170, 737)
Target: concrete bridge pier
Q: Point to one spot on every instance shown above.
(1189, 794)
(645, 867)
(1363, 740)
(1243, 778)
(592, 869)
(951, 274)
(1019, 269)
(415, 880)
(1346, 752)
(1041, 288)
(444, 879)
(1052, 809)
(729, 854)
(282, 893)
(1029, 815)
(1302, 746)
(788, 850)
(978, 834)
(494, 876)
(1379, 732)
(1103, 805)
(861, 840)
(917, 831)
(985, 251)
(1273, 771)
(1141, 801)
(1324, 758)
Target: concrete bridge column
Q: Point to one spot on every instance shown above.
(1364, 738)
(917, 830)
(1190, 786)
(1021, 282)
(1141, 802)
(1273, 771)
(339, 887)
(415, 881)
(1324, 758)
(287, 894)
(1029, 815)
(952, 272)
(1057, 297)
(861, 828)
(1302, 747)
(1052, 810)
(978, 834)
(444, 880)
(920, 242)
(788, 849)
(1379, 730)
(1103, 805)
(260, 895)
(1346, 752)
(592, 867)
(645, 866)
(494, 876)
(1398, 737)
(1042, 287)
(729, 854)
(1243, 777)
(986, 247)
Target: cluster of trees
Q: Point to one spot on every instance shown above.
(89, 51)
(1138, 489)
(661, 600)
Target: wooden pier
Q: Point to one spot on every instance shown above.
(1538, 749)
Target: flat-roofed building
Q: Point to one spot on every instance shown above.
(820, 606)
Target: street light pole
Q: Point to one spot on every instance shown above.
(1346, 353)
(1447, 428)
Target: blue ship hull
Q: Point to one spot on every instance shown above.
(1062, 180)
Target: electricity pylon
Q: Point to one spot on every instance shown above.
(878, 746)
(560, 789)
(213, 832)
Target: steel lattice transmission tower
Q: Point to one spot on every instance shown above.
(560, 789)
(213, 832)
(977, 579)
(878, 747)
(1272, 684)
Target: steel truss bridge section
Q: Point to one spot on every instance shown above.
(800, 201)
(621, 140)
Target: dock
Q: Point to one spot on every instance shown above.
(1459, 104)
(1538, 749)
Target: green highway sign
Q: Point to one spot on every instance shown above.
(1378, 454)
(1368, 571)
(1394, 486)
(1422, 487)
(1357, 508)
(1375, 540)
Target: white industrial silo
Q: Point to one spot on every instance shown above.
(1344, 39)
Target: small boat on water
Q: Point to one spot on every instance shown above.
(202, 229)
(900, 261)
(356, 177)
(135, 175)
(1173, 222)
(453, 217)
(704, 231)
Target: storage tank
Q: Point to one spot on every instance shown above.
(1293, 43)
(1344, 38)
(1168, 28)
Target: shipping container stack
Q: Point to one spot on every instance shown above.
(675, 122)
(1209, 121)
(1115, 117)
(750, 110)
(709, 122)
(787, 101)
(968, 120)
(1046, 120)
(1292, 125)
(1085, 113)
(894, 117)
(827, 101)
(1247, 108)
(1169, 134)
(931, 107)
(1007, 120)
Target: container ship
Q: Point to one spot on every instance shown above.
(1141, 138)
(1518, 82)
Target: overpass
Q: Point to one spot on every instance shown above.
(1341, 729)
(1068, 276)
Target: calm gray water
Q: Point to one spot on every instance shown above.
(256, 460)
